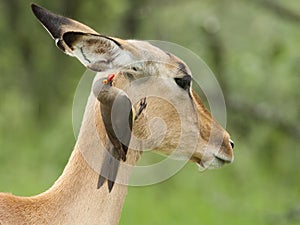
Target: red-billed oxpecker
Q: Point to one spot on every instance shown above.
(118, 116)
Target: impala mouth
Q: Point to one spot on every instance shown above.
(224, 158)
(215, 161)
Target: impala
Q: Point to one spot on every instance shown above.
(140, 69)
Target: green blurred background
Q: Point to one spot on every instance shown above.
(253, 47)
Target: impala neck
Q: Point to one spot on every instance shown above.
(74, 198)
(75, 195)
(77, 199)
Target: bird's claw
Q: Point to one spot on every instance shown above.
(143, 105)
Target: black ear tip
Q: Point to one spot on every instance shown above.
(37, 10)
(34, 7)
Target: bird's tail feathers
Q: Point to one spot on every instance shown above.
(109, 171)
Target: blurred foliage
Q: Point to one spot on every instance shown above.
(253, 48)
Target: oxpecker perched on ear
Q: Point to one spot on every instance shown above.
(118, 116)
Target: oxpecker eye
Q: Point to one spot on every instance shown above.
(184, 82)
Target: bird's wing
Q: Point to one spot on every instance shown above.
(117, 119)
(121, 118)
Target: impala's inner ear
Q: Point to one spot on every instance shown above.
(96, 52)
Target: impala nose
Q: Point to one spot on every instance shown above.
(231, 143)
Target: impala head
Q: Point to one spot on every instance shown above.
(176, 121)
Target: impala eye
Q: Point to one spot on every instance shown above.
(184, 82)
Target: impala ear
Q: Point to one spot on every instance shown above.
(93, 50)
(96, 52)
(57, 25)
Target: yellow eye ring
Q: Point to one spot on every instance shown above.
(105, 81)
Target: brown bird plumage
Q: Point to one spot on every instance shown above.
(117, 114)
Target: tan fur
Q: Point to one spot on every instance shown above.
(74, 198)
(175, 121)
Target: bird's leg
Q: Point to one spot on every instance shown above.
(143, 105)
